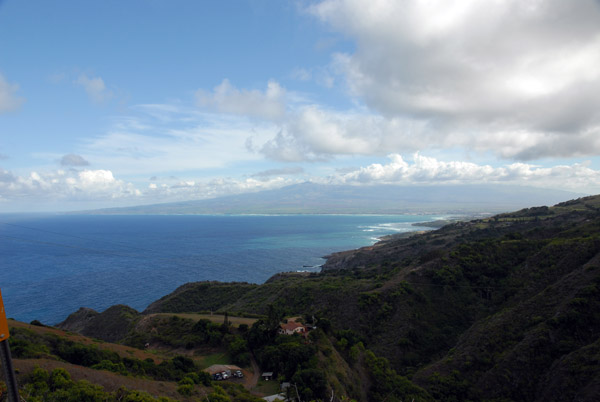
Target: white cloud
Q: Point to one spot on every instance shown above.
(226, 98)
(476, 72)
(72, 185)
(99, 188)
(427, 170)
(87, 188)
(8, 99)
(313, 133)
(216, 187)
(95, 88)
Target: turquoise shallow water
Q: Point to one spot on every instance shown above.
(52, 265)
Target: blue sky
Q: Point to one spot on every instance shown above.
(122, 103)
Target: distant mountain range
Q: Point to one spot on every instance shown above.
(310, 198)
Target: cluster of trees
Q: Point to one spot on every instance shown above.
(184, 333)
(388, 385)
(180, 333)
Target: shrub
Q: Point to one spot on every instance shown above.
(187, 380)
(60, 378)
(185, 389)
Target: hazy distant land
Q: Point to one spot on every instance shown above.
(310, 198)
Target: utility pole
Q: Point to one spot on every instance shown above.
(7, 366)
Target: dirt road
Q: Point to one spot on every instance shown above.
(251, 382)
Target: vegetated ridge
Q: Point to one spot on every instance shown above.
(502, 308)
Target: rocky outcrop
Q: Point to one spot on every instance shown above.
(79, 320)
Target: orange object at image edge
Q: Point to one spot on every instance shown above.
(3, 323)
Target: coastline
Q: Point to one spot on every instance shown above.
(105, 260)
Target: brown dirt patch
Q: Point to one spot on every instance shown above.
(218, 318)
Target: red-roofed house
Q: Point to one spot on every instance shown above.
(291, 328)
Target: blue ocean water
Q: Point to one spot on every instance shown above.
(52, 265)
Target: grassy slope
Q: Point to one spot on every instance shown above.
(122, 350)
(108, 380)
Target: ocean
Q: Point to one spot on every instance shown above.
(53, 264)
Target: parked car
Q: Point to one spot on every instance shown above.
(217, 377)
(224, 375)
(238, 374)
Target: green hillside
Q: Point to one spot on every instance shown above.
(498, 309)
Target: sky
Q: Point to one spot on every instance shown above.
(116, 103)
